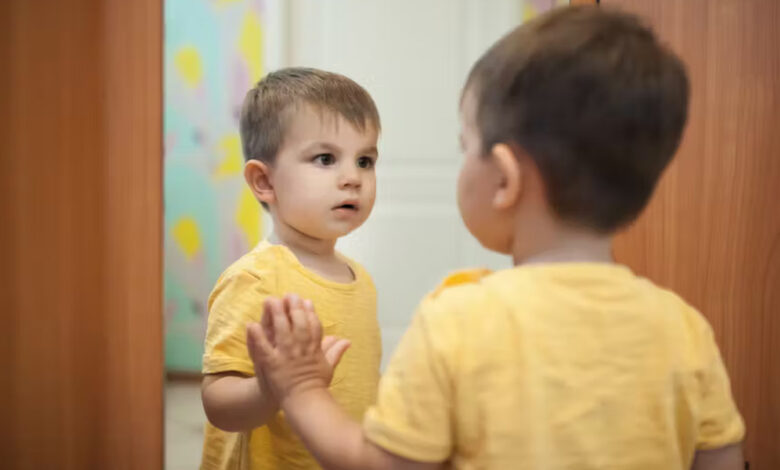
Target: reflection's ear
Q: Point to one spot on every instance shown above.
(258, 176)
(511, 171)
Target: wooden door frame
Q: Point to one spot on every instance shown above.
(81, 239)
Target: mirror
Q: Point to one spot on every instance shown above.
(412, 56)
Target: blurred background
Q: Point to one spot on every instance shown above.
(122, 197)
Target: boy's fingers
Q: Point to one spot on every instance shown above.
(287, 303)
(250, 342)
(298, 319)
(259, 347)
(267, 321)
(336, 351)
(280, 323)
(315, 327)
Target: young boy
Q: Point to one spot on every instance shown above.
(568, 360)
(309, 138)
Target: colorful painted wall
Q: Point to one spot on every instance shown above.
(213, 54)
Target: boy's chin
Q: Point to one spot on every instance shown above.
(323, 229)
(334, 233)
(491, 241)
(499, 245)
(346, 231)
(502, 249)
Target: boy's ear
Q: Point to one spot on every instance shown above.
(258, 176)
(511, 172)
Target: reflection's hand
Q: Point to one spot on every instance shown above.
(288, 350)
(258, 367)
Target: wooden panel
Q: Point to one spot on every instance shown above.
(133, 76)
(81, 229)
(712, 231)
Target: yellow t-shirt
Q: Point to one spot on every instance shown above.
(557, 366)
(345, 310)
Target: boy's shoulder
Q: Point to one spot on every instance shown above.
(267, 265)
(260, 265)
(460, 291)
(459, 281)
(463, 290)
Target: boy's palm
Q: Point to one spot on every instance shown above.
(288, 351)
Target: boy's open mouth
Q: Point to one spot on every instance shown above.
(347, 206)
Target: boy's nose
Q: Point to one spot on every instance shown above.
(349, 178)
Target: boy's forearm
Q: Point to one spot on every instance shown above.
(331, 436)
(236, 403)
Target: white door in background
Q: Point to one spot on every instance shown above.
(413, 57)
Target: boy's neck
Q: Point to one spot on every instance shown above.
(315, 254)
(552, 243)
(302, 245)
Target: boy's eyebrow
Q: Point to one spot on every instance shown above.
(327, 146)
(370, 151)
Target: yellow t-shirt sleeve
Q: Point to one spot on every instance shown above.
(720, 423)
(236, 301)
(413, 414)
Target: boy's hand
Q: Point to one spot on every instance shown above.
(288, 351)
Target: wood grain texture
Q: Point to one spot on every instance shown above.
(81, 234)
(712, 230)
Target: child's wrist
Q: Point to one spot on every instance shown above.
(307, 393)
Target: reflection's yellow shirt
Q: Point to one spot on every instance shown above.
(345, 310)
(558, 366)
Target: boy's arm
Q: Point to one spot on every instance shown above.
(721, 428)
(725, 458)
(232, 398)
(298, 372)
(234, 402)
(334, 439)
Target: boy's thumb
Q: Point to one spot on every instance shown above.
(335, 351)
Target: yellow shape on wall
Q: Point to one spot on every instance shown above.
(250, 44)
(248, 217)
(187, 236)
(529, 11)
(189, 65)
(230, 163)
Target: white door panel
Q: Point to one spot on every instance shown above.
(413, 57)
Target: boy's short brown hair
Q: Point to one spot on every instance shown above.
(269, 105)
(597, 103)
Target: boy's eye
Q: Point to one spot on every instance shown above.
(325, 159)
(365, 162)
